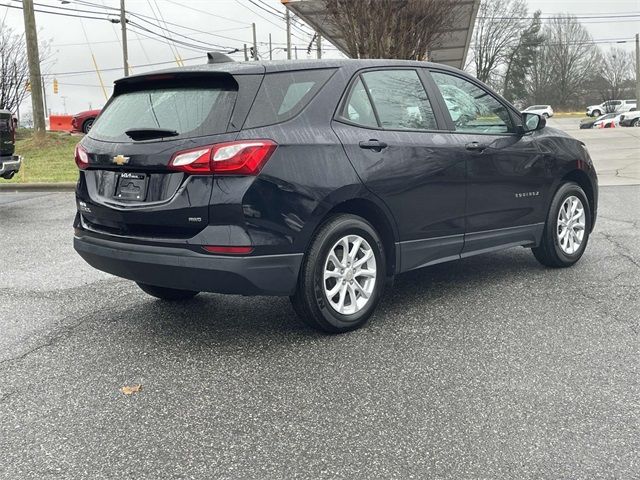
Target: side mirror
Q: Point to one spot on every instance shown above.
(532, 122)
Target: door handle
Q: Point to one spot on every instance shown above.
(373, 144)
(475, 146)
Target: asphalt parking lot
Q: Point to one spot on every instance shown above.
(492, 367)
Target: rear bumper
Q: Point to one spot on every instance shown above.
(10, 165)
(188, 270)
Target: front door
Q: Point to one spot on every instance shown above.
(507, 176)
(391, 134)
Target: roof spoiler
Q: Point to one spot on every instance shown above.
(217, 57)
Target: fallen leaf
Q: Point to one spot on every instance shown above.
(128, 390)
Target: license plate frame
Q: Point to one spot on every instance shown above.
(132, 186)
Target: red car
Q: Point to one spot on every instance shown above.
(83, 121)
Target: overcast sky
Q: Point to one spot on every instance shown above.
(230, 19)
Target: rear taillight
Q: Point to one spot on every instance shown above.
(244, 157)
(82, 158)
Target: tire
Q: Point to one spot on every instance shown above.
(636, 123)
(596, 113)
(545, 115)
(312, 302)
(86, 126)
(554, 249)
(169, 294)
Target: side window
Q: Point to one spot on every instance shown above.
(357, 108)
(400, 100)
(283, 95)
(472, 109)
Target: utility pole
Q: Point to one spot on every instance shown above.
(270, 49)
(246, 56)
(255, 42)
(35, 78)
(296, 49)
(123, 25)
(637, 67)
(287, 18)
(318, 45)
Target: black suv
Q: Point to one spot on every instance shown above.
(320, 180)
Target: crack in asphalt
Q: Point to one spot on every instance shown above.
(621, 248)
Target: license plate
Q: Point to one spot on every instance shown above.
(132, 186)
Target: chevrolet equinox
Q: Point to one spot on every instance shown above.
(320, 180)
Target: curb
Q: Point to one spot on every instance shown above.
(38, 187)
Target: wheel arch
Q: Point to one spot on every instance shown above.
(378, 218)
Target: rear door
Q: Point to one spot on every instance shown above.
(508, 180)
(390, 132)
(128, 188)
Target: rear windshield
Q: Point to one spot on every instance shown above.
(190, 111)
(283, 95)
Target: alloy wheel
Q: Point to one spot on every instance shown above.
(571, 225)
(349, 274)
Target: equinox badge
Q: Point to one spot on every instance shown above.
(120, 159)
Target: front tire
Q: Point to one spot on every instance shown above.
(86, 126)
(567, 228)
(596, 113)
(342, 276)
(636, 123)
(169, 294)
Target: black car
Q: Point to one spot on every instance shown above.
(320, 180)
(9, 163)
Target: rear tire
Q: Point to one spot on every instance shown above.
(636, 123)
(596, 113)
(337, 293)
(562, 244)
(169, 294)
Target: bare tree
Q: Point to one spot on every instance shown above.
(405, 29)
(496, 35)
(14, 70)
(572, 59)
(617, 70)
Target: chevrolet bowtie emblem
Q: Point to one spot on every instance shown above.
(120, 160)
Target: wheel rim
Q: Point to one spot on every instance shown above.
(571, 225)
(349, 275)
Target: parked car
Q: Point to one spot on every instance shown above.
(630, 119)
(544, 110)
(9, 162)
(83, 121)
(610, 120)
(611, 106)
(320, 180)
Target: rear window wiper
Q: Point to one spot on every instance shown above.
(149, 133)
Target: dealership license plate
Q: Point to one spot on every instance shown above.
(132, 186)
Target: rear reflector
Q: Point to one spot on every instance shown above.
(244, 157)
(228, 250)
(82, 158)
